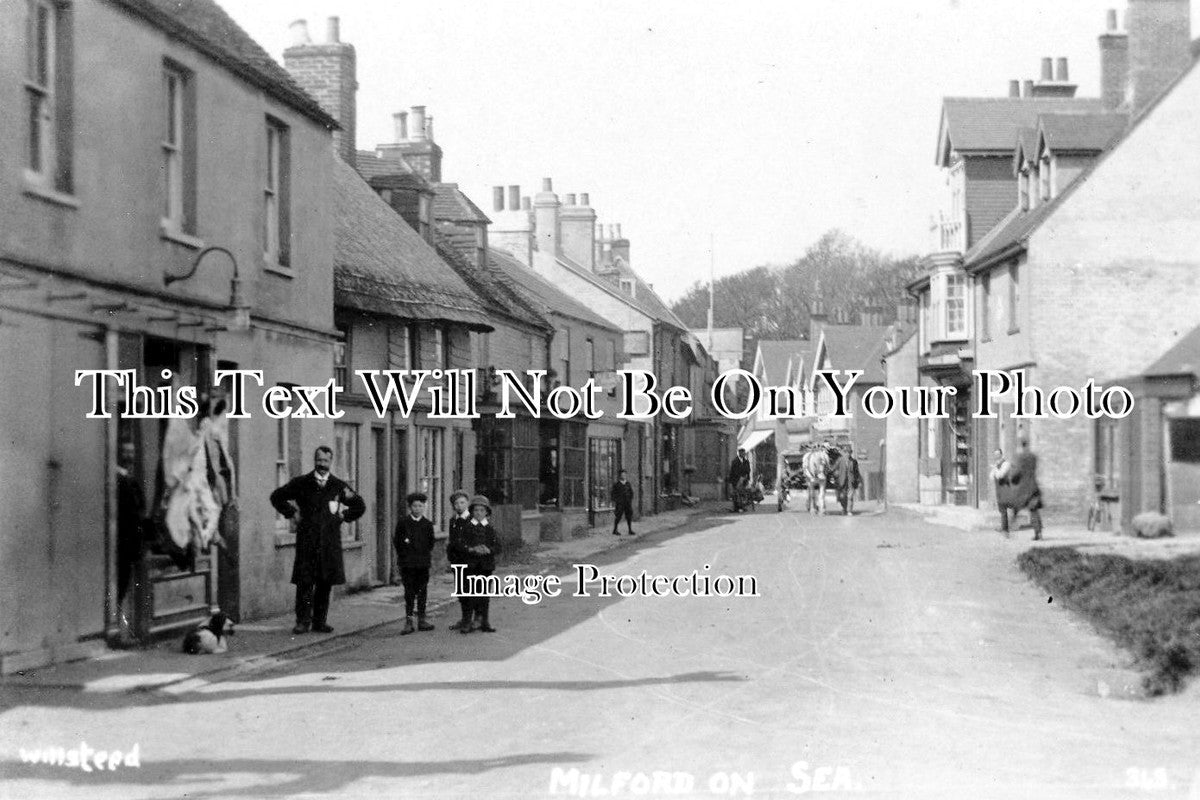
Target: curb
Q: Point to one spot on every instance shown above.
(251, 663)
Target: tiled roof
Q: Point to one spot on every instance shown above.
(549, 297)
(204, 25)
(1087, 132)
(780, 358)
(1182, 359)
(857, 347)
(450, 204)
(491, 285)
(383, 266)
(975, 124)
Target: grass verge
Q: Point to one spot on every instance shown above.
(1151, 607)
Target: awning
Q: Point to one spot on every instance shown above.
(755, 439)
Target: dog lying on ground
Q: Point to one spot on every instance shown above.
(206, 639)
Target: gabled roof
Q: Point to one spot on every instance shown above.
(204, 25)
(546, 296)
(989, 125)
(645, 299)
(855, 347)
(1182, 359)
(451, 205)
(1088, 133)
(1026, 148)
(500, 297)
(780, 358)
(383, 266)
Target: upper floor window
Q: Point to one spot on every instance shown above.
(1044, 177)
(48, 96)
(923, 327)
(627, 286)
(1014, 296)
(956, 306)
(276, 195)
(178, 151)
(985, 302)
(590, 356)
(439, 348)
(341, 359)
(565, 342)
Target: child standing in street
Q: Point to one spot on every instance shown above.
(477, 549)
(413, 540)
(456, 552)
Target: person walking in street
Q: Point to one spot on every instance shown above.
(1023, 491)
(847, 480)
(476, 545)
(413, 540)
(454, 555)
(622, 497)
(739, 479)
(323, 502)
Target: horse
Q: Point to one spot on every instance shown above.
(816, 474)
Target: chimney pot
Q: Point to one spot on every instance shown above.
(498, 198)
(417, 131)
(619, 236)
(547, 185)
(1047, 69)
(570, 199)
(400, 120)
(1112, 20)
(526, 203)
(1027, 89)
(514, 198)
(333, 30)
(584, 200)
(1061, 72)
(299, 30)
(1014, 88)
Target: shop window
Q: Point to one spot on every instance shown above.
(345, 466)
(604, 462)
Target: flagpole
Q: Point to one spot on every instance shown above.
(711, 271)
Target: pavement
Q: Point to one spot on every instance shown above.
(263, 643)
(882, 656)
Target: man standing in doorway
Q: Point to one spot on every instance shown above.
(323, 502)
(131, 514)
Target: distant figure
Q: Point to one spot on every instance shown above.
(622, 497)
(846, 480)
(1001, 468)
(739, 480)
(1022, 491)
(323, 502)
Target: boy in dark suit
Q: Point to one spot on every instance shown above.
(413, 540)
(622, 497)
(454, 553)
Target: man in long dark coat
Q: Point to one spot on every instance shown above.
(739, 479)
(323, 502)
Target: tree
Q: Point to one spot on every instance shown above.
(775, 302)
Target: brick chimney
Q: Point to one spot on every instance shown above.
(1054, 82)
(619, 245)
(547, 234)
(576, 225)
(414, 143)
(1114, 63)
(512, 223)
(327, 71)
(1160, 34)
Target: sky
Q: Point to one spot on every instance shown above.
(756, 126)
